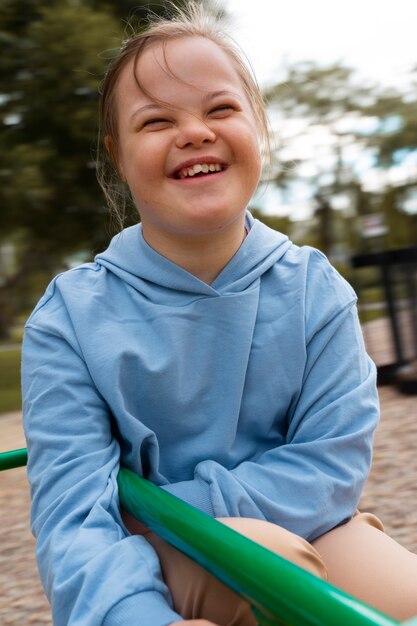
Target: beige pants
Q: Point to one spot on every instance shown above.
(357, 557)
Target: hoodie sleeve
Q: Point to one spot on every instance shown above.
(94, 573)
(313, 482)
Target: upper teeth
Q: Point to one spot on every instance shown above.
(199, 167)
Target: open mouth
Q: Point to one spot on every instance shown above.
(198, 170)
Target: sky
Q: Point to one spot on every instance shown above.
(378, 37)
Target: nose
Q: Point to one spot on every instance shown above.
(194, 132)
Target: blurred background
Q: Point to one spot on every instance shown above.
(341, 89)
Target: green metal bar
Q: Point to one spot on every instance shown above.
(279, 592)
(13, 458)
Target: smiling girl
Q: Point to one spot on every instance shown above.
(203, 351)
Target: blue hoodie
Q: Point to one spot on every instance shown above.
(250, 397)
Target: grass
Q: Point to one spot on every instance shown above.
(10, 395)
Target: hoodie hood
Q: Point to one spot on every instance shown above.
(131, 259)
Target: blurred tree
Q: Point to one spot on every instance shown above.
(273, 221)
(316, 93)
(348, 118)
(397, 129)
(317, 99)
(49, 70)
(395, 145)
(52, 56)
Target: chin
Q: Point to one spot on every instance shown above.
(216, 217)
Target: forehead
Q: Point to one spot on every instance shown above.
(177, 70)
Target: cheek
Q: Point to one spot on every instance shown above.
(252, 155)
(250, 144)
(137, 167)
(148, 158)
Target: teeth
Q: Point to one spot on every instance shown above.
(199, 167)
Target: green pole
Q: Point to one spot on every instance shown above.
(13, 458)
(280, 593)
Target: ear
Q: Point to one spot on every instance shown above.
(111, 150)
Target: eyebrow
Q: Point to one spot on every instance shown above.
(217, 94)
(212, 95)
(146, 107)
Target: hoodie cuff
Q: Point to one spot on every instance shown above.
(147, 607)
(195, 492)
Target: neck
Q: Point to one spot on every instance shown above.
(204, 256)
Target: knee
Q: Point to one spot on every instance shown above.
(281, 541)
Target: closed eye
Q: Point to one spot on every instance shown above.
(156, 123)
(222, 110)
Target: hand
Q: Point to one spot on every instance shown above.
(194, 622)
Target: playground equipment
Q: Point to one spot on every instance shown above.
(279, 592)
(398, 276)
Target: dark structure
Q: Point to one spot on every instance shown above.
(398, 271)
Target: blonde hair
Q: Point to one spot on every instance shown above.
(192, 21)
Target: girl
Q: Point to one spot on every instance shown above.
(205, 352)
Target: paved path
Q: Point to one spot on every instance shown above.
(391, 493)
(22, 602)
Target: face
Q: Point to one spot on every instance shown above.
(189, 150)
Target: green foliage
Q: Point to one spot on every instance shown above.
(53, 54)
(317, 93)
(323, 98)
(53, 71)
(10, 394)
(281, 224)
(399, 135)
